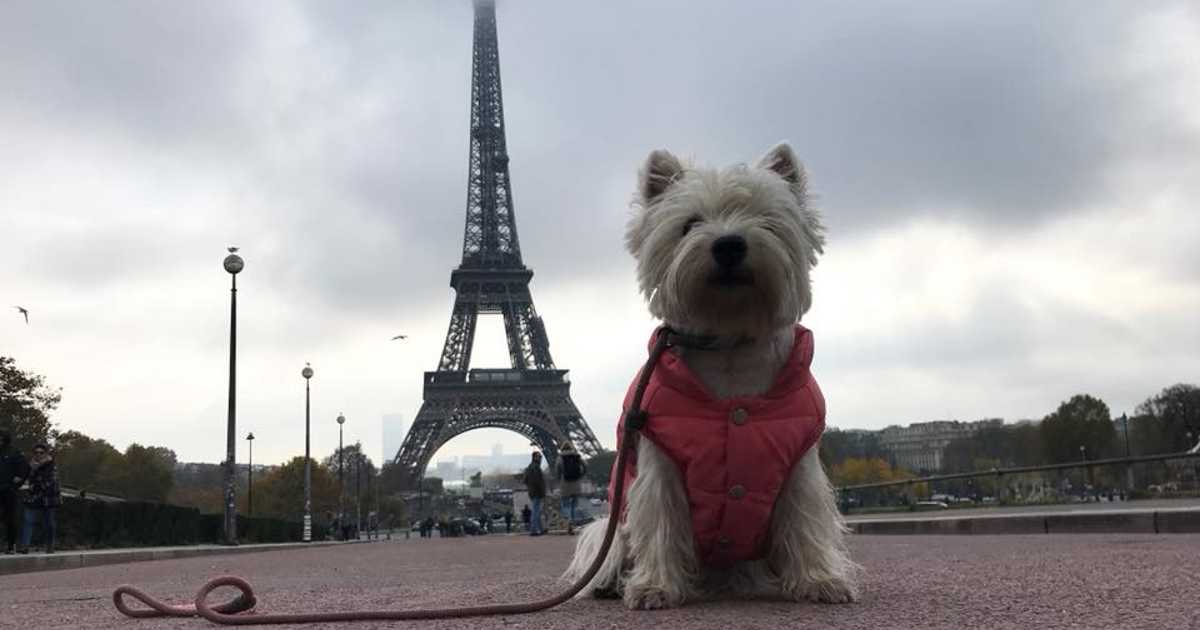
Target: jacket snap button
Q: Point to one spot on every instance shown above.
(739, 416)
(737, 491)
(724, 541)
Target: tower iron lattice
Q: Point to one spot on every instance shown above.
(533, 396)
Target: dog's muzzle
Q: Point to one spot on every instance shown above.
(729, 252)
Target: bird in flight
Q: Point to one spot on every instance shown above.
(399, 337)
(24, 311)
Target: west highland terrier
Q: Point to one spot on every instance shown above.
(726, 493)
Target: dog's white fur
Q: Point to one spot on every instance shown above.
(680, 211)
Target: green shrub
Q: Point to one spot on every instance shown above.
(91, 524)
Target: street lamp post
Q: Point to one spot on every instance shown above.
(421, 493)
(1128, 467)
(357, 489)
(250, 475)
(369, 500)
(307, 373)
(341, 419)
(233, 264)
(1125, 421)
(1086, 480)
(1195, 467)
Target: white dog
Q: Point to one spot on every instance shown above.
(726, 492)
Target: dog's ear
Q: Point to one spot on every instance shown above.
(660, 171)
(782, 161)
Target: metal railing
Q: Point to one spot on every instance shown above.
(1001, 472)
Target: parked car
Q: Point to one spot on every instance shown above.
(930, 505)
(468, 526)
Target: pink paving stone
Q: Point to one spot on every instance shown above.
(1002, 582)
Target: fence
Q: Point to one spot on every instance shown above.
(1126, 477)
(84, 523)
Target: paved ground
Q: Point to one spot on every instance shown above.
(1001, 582)
(1145, 504)
(76, 558)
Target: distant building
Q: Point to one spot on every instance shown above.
(494, 463)
(448, 470)
(393, 435)
(921, 446)
(467, 470)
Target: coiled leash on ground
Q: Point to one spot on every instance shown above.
(227, 613)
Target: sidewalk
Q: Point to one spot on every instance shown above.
(74, 559)
(1125, 521)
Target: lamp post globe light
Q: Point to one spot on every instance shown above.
(307, 373)
(341, 485)
(234, 265)
(250, 475)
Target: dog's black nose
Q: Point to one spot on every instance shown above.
(729, 251)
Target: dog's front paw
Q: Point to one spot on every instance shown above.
(649, 598)
(838, 590)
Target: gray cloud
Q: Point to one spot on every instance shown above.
(165, 73)
(330, 142)
(983, 112)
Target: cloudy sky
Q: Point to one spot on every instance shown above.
(1010, 188)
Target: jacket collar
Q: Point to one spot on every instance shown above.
(674, 373)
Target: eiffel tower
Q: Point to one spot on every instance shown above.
(533, 397)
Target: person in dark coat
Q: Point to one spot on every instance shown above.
(331, 526)
(43, 498)
(535, 482)
(13, 471)
(571, 470)
(525, 515)
(335, 526)
(508, 522)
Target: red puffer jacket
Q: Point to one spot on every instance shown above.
(734, 455)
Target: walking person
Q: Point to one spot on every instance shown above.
(508, 522)
(535, 482)
(331, 526)
(571, 470)
(335, 526)
(525, 513)
(13, 471)
(43, 499)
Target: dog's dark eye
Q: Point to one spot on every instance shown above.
(691, 223)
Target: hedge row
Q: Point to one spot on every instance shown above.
(101, 524)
